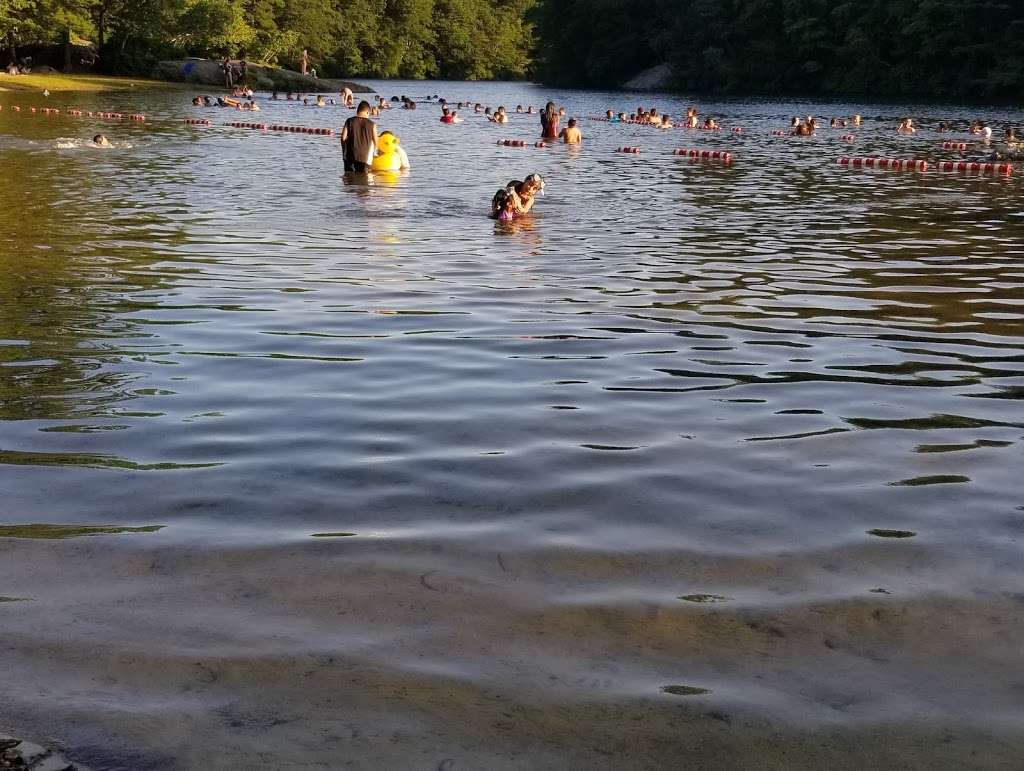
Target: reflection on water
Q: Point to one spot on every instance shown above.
(745, 434)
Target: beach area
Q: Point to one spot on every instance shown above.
(705, 462)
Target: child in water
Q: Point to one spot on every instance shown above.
(101, 141)
(503, 206)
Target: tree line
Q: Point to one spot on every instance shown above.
(899, 48)
(889, 48)
(459, 39)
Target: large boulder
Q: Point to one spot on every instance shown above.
(656, 78)
(208, 72)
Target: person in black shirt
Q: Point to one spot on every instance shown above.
(359, 140)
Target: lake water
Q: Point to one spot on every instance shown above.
(622, 485)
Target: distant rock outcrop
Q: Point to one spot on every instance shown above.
(208, 72)
(656, 78)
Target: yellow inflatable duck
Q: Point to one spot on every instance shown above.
(387, 158)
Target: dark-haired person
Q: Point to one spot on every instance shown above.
(359, 140)
(571, 134)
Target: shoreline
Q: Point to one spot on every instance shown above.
(59, 82)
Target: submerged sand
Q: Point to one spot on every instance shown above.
(394, 650)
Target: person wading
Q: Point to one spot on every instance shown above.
(359, 140)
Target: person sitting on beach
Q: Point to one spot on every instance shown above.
(101, 141)
(906, 126)
(571, 135)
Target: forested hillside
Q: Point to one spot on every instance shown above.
(377, 38)
(906, 48)
(954, 48)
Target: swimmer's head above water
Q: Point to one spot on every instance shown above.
(101, 140)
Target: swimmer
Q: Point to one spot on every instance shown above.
(531, 110)
(388, 139)
(710, 124)
(456, 118)
(320, 101)
(691, 118)
(523, 193)
(857, 120)
(571, 135)
(101, 141)
(503, 206)
(446, 115)
(252, 106)
(986, 132)
(197, 101)
(1011, 138)
(666, 121)
(906, 126)
(519, 108)
(622, 117)
(549, 122)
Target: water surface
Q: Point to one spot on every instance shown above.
(700, 464)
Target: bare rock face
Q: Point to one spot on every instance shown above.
(208, 72)
(24, 756)
(654, 79)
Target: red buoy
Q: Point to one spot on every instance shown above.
(961, 146)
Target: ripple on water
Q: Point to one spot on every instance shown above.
(675, 377)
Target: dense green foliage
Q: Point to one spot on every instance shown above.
(955, 48)
(962, 48)
(380, 38)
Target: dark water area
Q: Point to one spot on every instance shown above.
(701, 465)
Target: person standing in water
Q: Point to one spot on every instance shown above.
(571, 134)
(549, 122)
(359, 140)
(304, 61)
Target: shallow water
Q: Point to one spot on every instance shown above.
(701, 464)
